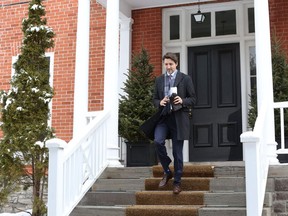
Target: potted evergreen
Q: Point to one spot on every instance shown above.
(280, 90)
(135, 107)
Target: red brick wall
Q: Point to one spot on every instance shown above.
(97, 56)
(147, 31)
(279, 21)
(62, 17)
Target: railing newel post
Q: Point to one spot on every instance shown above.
(55, 176)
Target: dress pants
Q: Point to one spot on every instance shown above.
(167, 127)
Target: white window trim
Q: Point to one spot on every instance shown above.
(242, 37)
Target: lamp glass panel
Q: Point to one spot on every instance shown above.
(225, 22)
(174, 27)
(202, 29)
(251, 22)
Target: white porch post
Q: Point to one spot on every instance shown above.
(125, 59)
(264, 71)
(111, 79)
(125, 50)
(81, 67)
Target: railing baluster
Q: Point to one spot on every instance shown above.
(282, 128)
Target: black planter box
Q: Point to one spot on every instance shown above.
(283, 158)
(141, 154)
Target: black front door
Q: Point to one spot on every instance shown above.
(217, 122)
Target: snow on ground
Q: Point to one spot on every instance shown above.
(17, 214)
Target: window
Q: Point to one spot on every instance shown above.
(174, 27)
(225, 22)
(251, 22)
(201, 29)
(252, 60)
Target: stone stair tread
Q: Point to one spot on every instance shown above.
(126, 172)
(104, 198)
(232, 199)
(162, 210)
(224, 184)
(98, 211)
(118, 185)
(208, 189)
(228, 211)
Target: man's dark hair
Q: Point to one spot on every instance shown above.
(171, 56)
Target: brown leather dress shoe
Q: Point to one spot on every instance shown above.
(176, 189)
(165, 180)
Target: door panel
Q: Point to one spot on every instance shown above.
(216, 123)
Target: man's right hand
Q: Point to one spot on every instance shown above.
(164, 101)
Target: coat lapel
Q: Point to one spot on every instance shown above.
(179, 77)
(162, 83)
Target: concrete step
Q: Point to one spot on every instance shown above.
(228, 211)
(108, 198)
(119, 185)
(234, 184)
(126, 172)
(235, 199)
(99, 211)
(229, 171)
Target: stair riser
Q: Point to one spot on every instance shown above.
(234, 184)
(228, 212)
(168, 198)
(126, 173)
(108, 199)
(235, 199)
(119, 185)
(200, 184)
(94, 211)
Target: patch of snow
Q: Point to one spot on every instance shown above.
(39, 143)
(19, 108)
(17, 214)
(35, 90)
(36, 6)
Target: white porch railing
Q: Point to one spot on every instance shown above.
(255, 145)
(74, 167)
(256, 164)
(282, 106)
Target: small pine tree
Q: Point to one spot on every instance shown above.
(136, 105)
(25, 113)
(280, 86)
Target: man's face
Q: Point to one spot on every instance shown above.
(170, 65)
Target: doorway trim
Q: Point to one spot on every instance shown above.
(242, 36)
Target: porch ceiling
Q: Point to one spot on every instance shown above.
(140, 4)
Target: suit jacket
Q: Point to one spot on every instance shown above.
(185, 90)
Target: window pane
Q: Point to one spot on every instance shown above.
(174, 27)
(201, 29)
(178, 56)
(252, 58)
(226, 22)
(251, 22)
